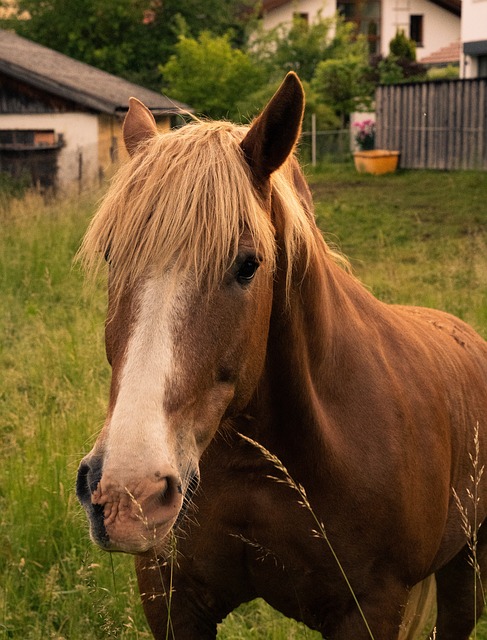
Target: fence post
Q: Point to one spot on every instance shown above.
(313, 139)
(80, 169)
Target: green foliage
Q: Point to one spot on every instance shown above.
(402, 47)
(450, 72)
(400, 65)
(328, 57)
(342, 84)
(347, 42)
(341, 79)
(210, 75)
(326, 117)
(129, 38)
(214, 71)
(390, 72)
(258, 621)
(298, 47)
(250, 105)
(12, 187)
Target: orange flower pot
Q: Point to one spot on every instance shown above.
(376, 161)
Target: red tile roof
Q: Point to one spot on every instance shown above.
(446, 55)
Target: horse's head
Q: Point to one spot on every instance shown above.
(188, 233)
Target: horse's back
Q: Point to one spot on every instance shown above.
(452, 348)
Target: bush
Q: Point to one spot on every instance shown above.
(450, 72)
(400, 65)
(11, 187)
(403, 47)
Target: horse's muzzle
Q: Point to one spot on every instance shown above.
(133, 518)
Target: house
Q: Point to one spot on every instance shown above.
(60, 119)
(474, 39)
(432, 24)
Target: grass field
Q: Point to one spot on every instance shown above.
(413, 237)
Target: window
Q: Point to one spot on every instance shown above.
(28, 139)
(416, 29)
(32, 154)
(302, 17)
(366, 17)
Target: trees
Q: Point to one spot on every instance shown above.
(298, 47)
(341, 81)
(211, 75)
(129, 38)
(109, 34)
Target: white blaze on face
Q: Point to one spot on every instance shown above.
(139, 444)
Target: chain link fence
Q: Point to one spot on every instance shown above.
(319, 147)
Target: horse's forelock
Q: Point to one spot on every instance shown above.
(184, 200)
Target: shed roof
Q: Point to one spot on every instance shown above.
(70, 79)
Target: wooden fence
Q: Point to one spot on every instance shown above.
(435, 125)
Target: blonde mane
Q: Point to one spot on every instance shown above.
(183, 201)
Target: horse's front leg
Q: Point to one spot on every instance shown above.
(380, 616)
(174, 608)
(185, 599)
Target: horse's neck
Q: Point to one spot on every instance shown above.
(322, 318)
(312, 342)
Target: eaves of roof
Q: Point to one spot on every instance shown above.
(269, 5)
(91, 88)
(454, 6)
(51, 86)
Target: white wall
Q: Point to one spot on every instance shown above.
(440, 27)
(284, 14)
(474, 29)
(474, 20)
(80, 132)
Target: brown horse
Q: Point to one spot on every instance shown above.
(252, 375)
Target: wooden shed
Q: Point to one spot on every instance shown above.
(60, 119)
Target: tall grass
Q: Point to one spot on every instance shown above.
(55, 584)
(413, 237)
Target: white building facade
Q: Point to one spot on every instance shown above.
(431, 25)
(474, 39)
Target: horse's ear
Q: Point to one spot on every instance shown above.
(274, 133)
(138, 126)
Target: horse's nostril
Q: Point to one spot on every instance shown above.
(89, 475)
(170, 491)
(82, 490)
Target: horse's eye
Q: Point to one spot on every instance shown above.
(107, 255)
(247, 270)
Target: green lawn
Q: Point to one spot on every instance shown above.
(413, 237)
